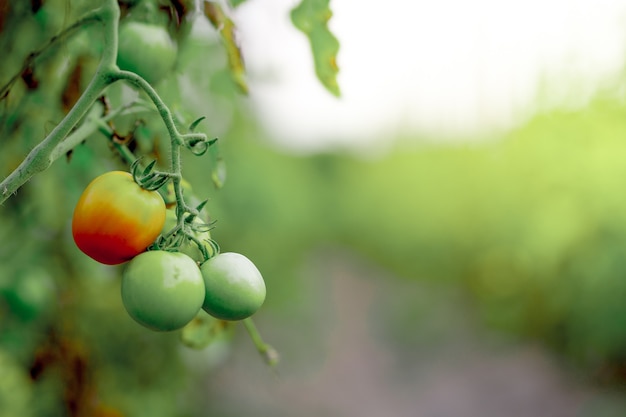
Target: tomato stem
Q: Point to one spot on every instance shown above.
(269, 354)
(56, 143)
(177, 139)
(162, 109)
(62, 139)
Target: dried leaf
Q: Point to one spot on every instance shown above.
(227, 30)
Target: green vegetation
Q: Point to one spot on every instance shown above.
(530, 228)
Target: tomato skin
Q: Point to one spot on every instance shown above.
(162, 290)
(234, 286)
(146, 49)
(115, 219)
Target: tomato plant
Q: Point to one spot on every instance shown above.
(115, 219)
(162, 290)
(234, 286)
(80, 84)
(146, 49)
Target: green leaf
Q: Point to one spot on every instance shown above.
(311, 17)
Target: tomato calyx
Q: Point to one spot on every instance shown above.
(191, 236)
(202, 246)
(148, 178)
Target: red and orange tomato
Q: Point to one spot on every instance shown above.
(115, 219)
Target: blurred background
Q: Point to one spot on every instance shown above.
(446, 238)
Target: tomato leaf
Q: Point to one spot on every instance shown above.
(222, 23)
(311, 17)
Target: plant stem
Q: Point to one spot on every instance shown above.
(45, 153)
(90, 125)
(28, 62)
(161, 107)
(268, 352)
(58, 143)
(177, 140)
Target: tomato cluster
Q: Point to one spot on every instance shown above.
(117, 221)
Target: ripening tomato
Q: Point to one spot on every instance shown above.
(234, 286)
(162, 290)
(115, 219)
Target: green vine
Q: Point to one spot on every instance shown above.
(177, 139)
(56, 144)
(65, 136)
(61, 139)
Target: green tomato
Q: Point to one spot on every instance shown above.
(162, 290)
(146, 49)
(234, 287)
(188, 247)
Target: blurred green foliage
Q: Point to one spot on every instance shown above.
(532, 227)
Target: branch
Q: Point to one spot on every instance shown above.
(30, 59)
(51, 148)
(177, 139)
